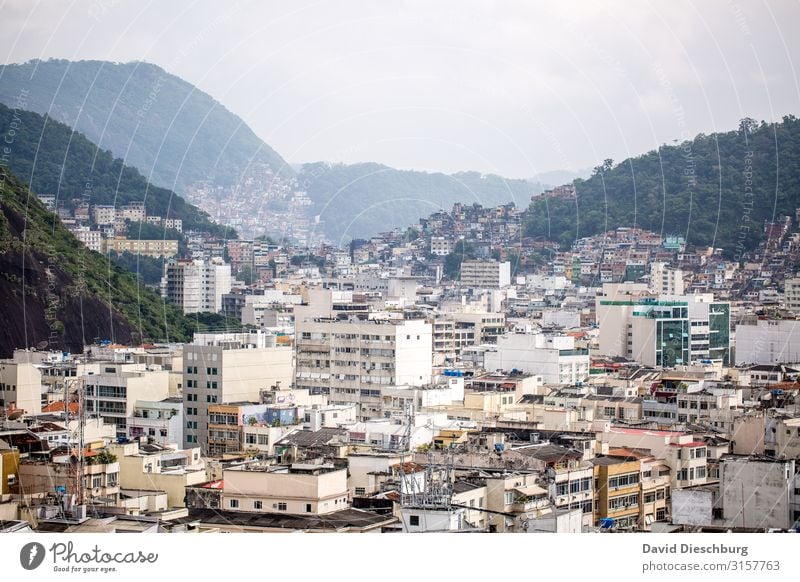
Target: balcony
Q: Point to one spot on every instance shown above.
(525, 504)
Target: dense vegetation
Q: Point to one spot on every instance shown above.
(148, 269)
(361, 200)
(53, 159)
(55, 290)
(171, 131)
(715, 190)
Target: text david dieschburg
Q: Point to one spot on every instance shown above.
(694, 549)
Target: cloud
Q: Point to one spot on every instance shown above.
(514, 88)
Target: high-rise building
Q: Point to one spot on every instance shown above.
(197, 286)
(228, 367)
(343, 353)
(485, 274)
(662, 330)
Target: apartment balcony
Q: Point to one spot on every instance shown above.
(523, 505)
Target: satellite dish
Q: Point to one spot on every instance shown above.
(42, 345)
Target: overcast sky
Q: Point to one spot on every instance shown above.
(514, 88)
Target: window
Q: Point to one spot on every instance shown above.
(234, 503)
(360, 490)
(661, 514)
(623, 480)
(257, 504)
(509, 497)
(413, 520)
(250, 439)
(97, 481)
(623, 502)
(281, 507)
(308, 507)
(263, 439)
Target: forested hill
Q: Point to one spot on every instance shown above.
(155, 121)
(361, 200)
(715, 190)
(55, 290)
(53, 159)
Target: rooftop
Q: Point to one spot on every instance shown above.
(344, 520)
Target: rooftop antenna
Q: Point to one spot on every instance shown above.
(77, 467)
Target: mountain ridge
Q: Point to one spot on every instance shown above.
(156, 121)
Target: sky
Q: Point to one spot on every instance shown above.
(516, 88)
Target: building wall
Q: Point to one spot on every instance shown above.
(239, 376)
(325, 493)
(21, 385)
(132, 386)
(9, 469)
(532, 353)
(758, 492)
(609, 495)
(692, 506)
(768, 342)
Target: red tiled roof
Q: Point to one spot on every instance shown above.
(59, 407)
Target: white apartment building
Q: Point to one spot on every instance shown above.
(20, 386)
(112, 394)
(93, 239)
(441, 246)
(356, 358)
(197, 286)
(134, 212)
(300, 489)
(554, 358)
(174, 223)
(768, 342)
(104, 215)
(485, 274)
(665, 281)
(228, 367)
(161, 421)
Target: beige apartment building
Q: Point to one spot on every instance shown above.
(293, 489)
(150, 248)
(226, 368)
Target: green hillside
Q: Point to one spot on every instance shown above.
(715, 190)
(53, 159)
(361, 200)
(171, 131)
(55, 290)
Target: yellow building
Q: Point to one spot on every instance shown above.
(617, 491)
(654, 486)
(151, 248)
(9, 467)
(448, 437)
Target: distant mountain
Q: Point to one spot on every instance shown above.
(52, 159)
(55, 291)
(560, 177)
(171, 131)
(360, 200)
(716, 190)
